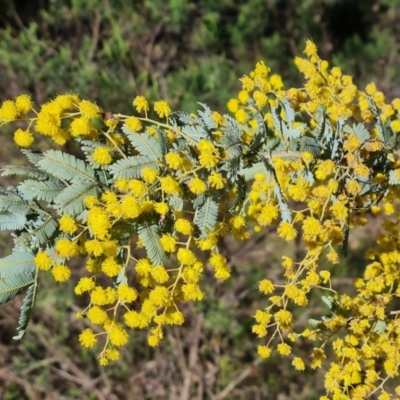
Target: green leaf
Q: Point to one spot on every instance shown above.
(163, 141)
(241, 194)
(71, 199)
(380, 327)
(362, 132)
(279, 123)
(13, 284)
(14, 204)
(66, 166)
(26, 311)
(145, 144)
(40, 234)
(12, 222)
(33, 156)
(195, 132)
(132, 167)
(16, 263)
(206, 117)
(232, 139)
(393, 177)
(384, 134)
(186, 118)
(206, 217)
(47, 191)
(175, 202)
(284, 209)
(23, 170)
(261, 135)
(149, 235)
(310, 145)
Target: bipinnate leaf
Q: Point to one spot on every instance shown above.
(132, 167)
(194, 132)
(71, 199)
(18, 262)
(13, 284)
(14, 204)
(66, 166)
(24, 170)
(26, 310)
(206, 217)
(149, 235)
(145, 144)
(232, 139)
(12, 222)
(39, 232)
(47, 191)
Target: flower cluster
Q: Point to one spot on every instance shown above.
(149, 203)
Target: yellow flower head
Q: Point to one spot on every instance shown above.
(23, 104)
(141, 104)
(88, 109)
(87, 338)
(68, 224)
(162, 109)
(23, 138)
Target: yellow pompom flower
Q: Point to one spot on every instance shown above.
(264, 351)
(126, 293)
(149, 175)
(284, 319)
(88, 109)
(192, 292)
(286, 231)
(266, 286)
(184, 226)
(23, 104)
(169, 185)
(216, 180)
(102, 156)
(110, 267)
(186, 257)
(162, 109)
(94, 247)
(298, 364)
(8, 111)
(23, 138)
(161, 208)
(159, 274)
(311, 49)
(43, 261)
(168, 243)
(84, 285)
(68, 224)
(159, 296)
(87, 338)
(98, 296)
(98, 222)
(66, 248)
(284, 349)
(268, 213)
(134, 124)
(141, 104)
(174, 161)
(197, 186)
(97, 315)
(233, 105)
(61, 273)
(262, 317)
(80, 127)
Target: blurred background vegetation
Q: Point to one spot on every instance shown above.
(184, 51)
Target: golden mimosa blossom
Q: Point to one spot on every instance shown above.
(155, 202)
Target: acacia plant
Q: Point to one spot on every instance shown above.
(149, 201)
